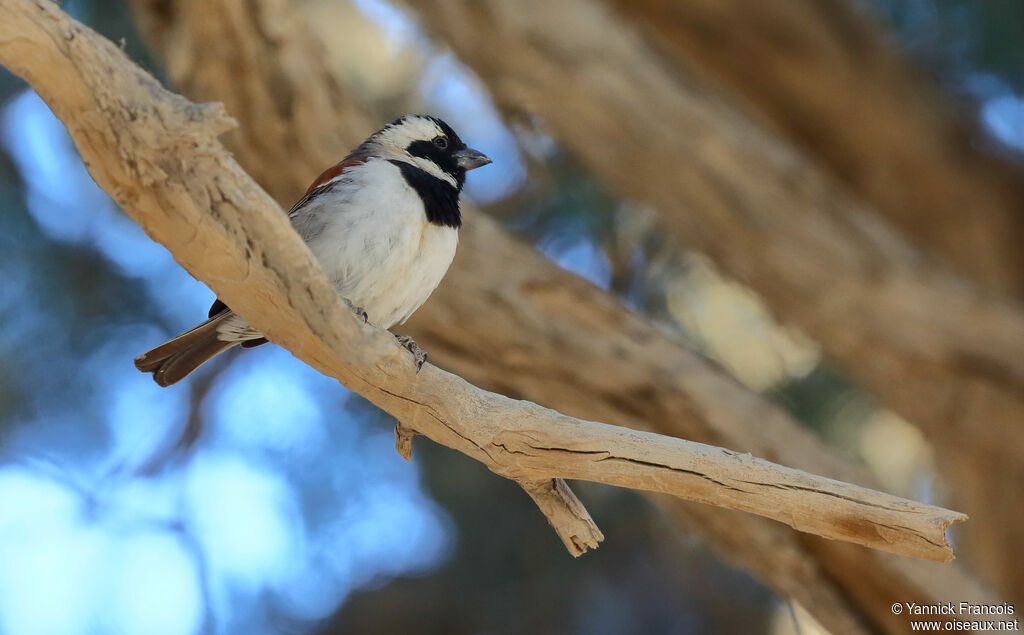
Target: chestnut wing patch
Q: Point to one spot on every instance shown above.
(335, 171)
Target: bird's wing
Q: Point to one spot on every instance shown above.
(323, 183)
(326, 180)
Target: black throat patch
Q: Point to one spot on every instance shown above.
(440, 198)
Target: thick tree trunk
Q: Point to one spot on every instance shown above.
(824, 75)
(531, 330)
(944, 353)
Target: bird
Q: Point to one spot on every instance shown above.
(383, 223)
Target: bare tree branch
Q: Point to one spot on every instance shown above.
(944, 353)
(544, 334)
(157, 154)
(565, 512)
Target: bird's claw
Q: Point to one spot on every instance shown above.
(417, 353)
(359, 311)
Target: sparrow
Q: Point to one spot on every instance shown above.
(383, 223)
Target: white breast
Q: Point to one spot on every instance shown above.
(373, 240)
(371, 236)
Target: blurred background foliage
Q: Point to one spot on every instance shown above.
(973, 50)
(261, 497)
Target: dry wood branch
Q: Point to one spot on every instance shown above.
(541, 332)
(403, 441)
(837, 86)
(702, 473)
(565, 512)
(157, 154)
(162, 119)
(929, 343)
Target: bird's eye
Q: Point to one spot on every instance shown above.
(441, 142)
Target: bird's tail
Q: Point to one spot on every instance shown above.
(172, 361)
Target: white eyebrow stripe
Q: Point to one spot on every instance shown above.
(432, 169)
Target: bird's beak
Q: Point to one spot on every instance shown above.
(470, 159)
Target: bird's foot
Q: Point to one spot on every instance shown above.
(417, 353)
(359, 311)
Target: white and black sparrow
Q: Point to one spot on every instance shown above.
(383, 223)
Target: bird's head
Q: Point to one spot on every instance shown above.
(427, 143)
